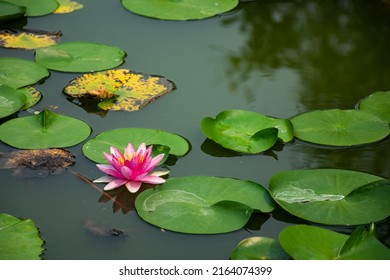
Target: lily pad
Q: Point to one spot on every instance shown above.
(337, 127)
(45, 130)
(245, 131)
(332, 196)
(202, 205)
(303, 242)
(28, 39)
(10, 11)
(19, 239)
(259, 248)
(67, 6)
(33, 96)
(37, 163)
(179, 10)
(36, 7)
(17, 72)
(119, 138)
(11, 100)
(377, 103)
(79, 57)
(119, 89)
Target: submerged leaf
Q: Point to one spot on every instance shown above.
(28, 39)
(119, 89)
(67, 6)
(19, 239)
(37, 163)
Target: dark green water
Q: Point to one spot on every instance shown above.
(278, 58)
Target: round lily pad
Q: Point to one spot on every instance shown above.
(202, 205)
(11, 100)
(36, 7)
(179, 10)
(337, 127)
(377, 103)
(19, 239)
(17, 72)
(245, 131)
(119, 138)
(79, 57)
(45, 130)
(332, 196)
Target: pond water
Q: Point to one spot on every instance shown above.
(278, 58)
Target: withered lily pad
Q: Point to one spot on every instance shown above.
(28, 39)
(67, 6)
(119, 89)
(37, 163)
(33, 96)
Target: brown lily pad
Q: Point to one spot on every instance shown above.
(37, 163)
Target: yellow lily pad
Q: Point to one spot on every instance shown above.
(67, 6)
(28, 39)
(119, 89)
(33, 96)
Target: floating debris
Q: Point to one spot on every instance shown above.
(37, 163)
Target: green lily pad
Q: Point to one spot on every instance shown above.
(45, 130)
(179, 10)
(202, 205)
(332, 196)
(378, 104)
(337, 127)
(123, 89)
(303, 242)
(10, 11)
(19, 239)
(119, 138)
(259, 248)
(245, 131)
(11, 100)
(79, 57)
(36, 7)
(17, 72)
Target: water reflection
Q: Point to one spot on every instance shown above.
(337, 48)
(370, 158)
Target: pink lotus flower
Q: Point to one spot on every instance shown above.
(132, 168)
